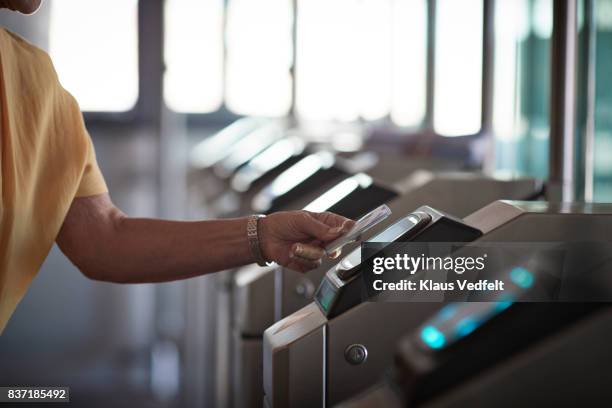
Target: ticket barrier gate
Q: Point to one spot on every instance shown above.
(244, 157)
(256, 309)
(315, 357)
(279, 158)
(457, 193)
(208, 155)
(351, 197)
(301, 186)
(217, 147)
(247, 172)
(506, 353)
(306, 181)
(254, 287)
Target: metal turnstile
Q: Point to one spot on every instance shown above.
(456, 193)
(308, 359)
(254, 287)
(256, 309)
(208, 155)
(544, 342)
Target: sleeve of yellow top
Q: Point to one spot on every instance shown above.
(92, 181)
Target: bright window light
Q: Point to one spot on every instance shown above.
(458, 72)
(344, 59)
(409, 69)
(511, 29)
(259, 57)
(193, 51)
(95, 51)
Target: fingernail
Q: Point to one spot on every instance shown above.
(298, 249)
(335, 254)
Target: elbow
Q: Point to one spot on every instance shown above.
(104, 275)
(91, 238)
(95, 274)
(92, 269)
(89, 262)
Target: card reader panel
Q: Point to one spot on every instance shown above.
(340, 290)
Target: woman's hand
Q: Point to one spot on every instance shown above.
(296, 239)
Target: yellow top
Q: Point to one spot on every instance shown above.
(46, 160)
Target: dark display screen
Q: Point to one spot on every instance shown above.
(325, 295)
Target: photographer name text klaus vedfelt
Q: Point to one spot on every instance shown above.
(430, 285)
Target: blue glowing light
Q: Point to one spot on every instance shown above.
(433, 337)
(504, 302)
(522, 277)
(447, 312)
(466, 326)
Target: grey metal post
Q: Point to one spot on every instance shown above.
(588, 132)
(488, 85)
(294, 52)
(431, 64)
(563, 102)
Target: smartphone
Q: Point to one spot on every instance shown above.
(363, 224)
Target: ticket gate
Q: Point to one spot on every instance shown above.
(339, 345)
(351, 196)
(301, 186)
(215, 148)
(512, 354)
(256, 309)
(254, 287)
(248, 147)
(245, 181)
(212, 151)
(306, 181)
(457, 193)
(570, 366)
(277, 157)
(262, 169)
(238, 161)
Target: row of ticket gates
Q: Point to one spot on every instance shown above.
(286, 339)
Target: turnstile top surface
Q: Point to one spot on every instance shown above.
(306, 320)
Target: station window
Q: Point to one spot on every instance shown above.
(409, 62)
(361, 59)
(85, 44)
(259, 57)
(193, 52)
(523, 30)
(603, 102)
(356, 59)
(458, 71)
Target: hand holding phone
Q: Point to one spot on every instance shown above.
(363, 224)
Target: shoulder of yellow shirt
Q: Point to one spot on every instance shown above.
(21, 45)
(22, 52)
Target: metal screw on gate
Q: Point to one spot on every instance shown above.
(356, 354)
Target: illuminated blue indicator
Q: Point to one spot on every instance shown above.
(521, 277)
(466, 326)
(447, 312)
(433, 337)
(503, 303)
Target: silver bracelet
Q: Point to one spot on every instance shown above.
(253, 237)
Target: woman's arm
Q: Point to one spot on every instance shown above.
(107, 245)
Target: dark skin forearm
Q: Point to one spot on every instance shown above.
(136, 250)
(107, 245)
